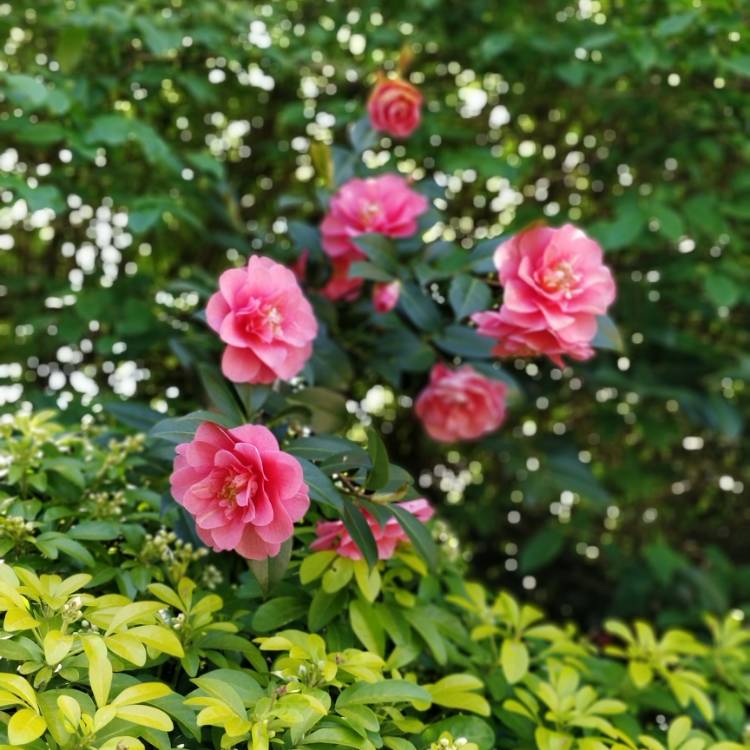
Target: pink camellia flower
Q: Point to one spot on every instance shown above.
(264, 319)
(384, 205)
(385, 296)
(332, 535)
(460, 404)
(555, 284)
(244, 493)
(395, 107)
(340, 285)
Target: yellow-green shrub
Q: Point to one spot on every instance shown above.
(335, 654)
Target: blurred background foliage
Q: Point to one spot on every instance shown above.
(145, 146)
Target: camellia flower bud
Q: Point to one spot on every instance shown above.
(395, 107)
(385, 296)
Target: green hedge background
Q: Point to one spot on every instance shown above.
(145, 146)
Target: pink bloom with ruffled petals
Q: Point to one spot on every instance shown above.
(244, 493)
(385, 296)
(332, 535)
(460, 404)
(265, 320)
(555, 284)
(382, 205)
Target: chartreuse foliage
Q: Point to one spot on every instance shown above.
(105, 650)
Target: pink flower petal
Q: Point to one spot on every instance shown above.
(279, 528)
(240, 365)
(216, 310)
(253, 547)
(209, 432)
(284, 472)
(230, 282)
(257, 435)
(228, 536)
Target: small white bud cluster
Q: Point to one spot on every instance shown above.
(448, 742)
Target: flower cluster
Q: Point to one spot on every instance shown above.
(377, 205)
(243, 490)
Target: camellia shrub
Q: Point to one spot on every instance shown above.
(147, 148)
(262, 574)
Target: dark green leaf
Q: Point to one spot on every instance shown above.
(321, 447)
(321, 488)
(274, 614)
(182, 429)
(671, 224)
(327, 408)
(607, 335)
(304, 237)
(112, 130)
(270, 572)
(219, 392)
(360, 532)
(722, 290)
(541, 549)
(25, 90)
(325, 607)
(467, 295)
(675, 24)
(465, 342)
(362, 135)
(66, 545)
(365, 270)
(494, 45)
(160, 41)
(626, 227)
(252, 397)
(134, 415)
(69, 468)
(378, 474)
(421, 620)
(419, 307)
(739, 64)
(419, 534)
(380, 250)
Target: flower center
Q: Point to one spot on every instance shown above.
(261, 319)
(560, 278)
(458, 398)
(369, 212)
(234, 485)
(273, 316)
